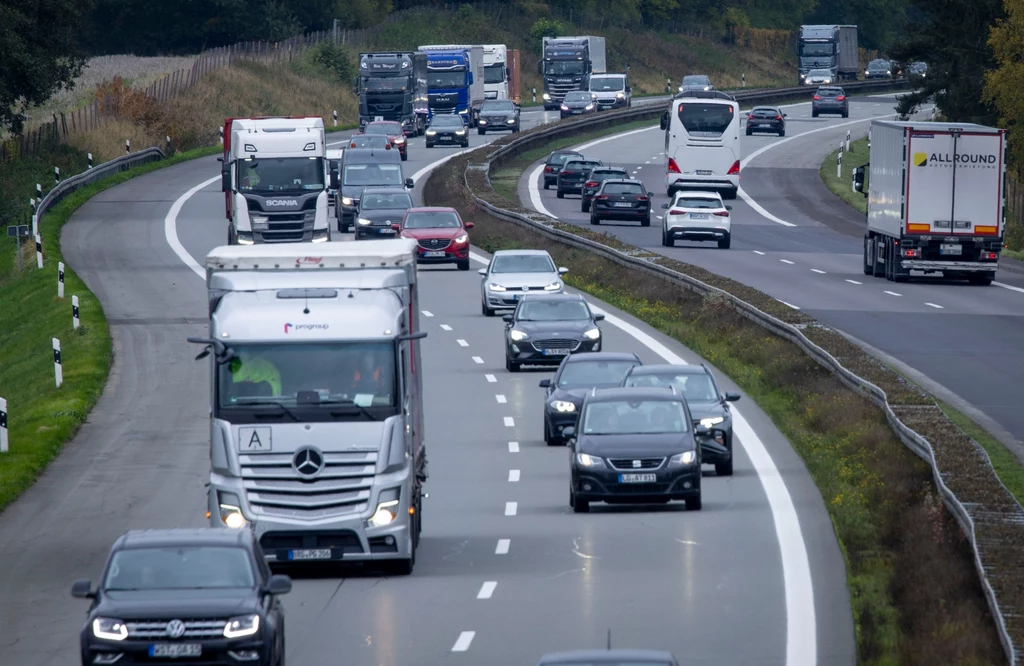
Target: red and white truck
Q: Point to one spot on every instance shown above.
(936, 198)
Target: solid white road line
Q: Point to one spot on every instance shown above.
(511, 508)
(788, 304)
(463, 642)
(513, 476)
(853, 281)
(509, 422)
(446, 327)
(171, 228)
(817, 271)
(937, 307)
(501, 399)
(1008, 286)
(478, 360)
(491, 378)
(487, 589)
(427, 313)
(503, 546)
(513, 447)
(893, 293)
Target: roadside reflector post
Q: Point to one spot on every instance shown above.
(847, 140)
(127, 147)
(839, 165)
(222, 135)
(39, 251)
(335, 114)
(56, 175)
(3, 426)
(75, 320)
(60, 279)
(58, 373)
(89, 157)
(743, 78)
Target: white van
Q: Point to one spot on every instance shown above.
(702, 142)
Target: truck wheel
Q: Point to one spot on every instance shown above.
(869, 264)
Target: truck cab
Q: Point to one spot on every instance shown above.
(455, 80)
(567, 64)
(393, 86)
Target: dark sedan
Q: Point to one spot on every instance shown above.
(554, 163)
(708, 406)
(573, 175)
(545, 328)
(766, 119)
(831, 100)
(597, 176)
(879, 68)
(578, 374)
(498, 116)
(634, 446)
(622, 200)
(380, 208)
(182, 596)
(447, 130)
(578, 103)
(609, 658)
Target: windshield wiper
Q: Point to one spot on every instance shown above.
(349, 403)
(284, 409)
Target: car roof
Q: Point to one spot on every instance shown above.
(661, 368)
(609, 656)
(504, 253)
(837, 88)
(432, 209)
(633, 393)
(602, 356)
(383, 122)
(555, 153)
(380, 189)
(187, 536)
(610, 168)
(765, 108)
(588, 160)
(698, 194)
(621, 181)
(564, 296)
(370, 155)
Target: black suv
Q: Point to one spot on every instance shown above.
(597, 176)
(179, 596)
(553, 165)
(574, 174)
(622, 200)
(498, 115)
(830, 99)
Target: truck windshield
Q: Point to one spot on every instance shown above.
(437, 80)
(281, 174)
(372, 174)
(494, 73)
(385, 83)
(817, 49)
(564, 67)
(321, 381)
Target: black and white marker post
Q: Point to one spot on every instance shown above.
(127, 147)
(839, 161)
(75, 321)
(58, 371)
(847, 140)
(335, 117)
(89, 157)
(56, 175)
(3, 426)
(39, 251)
(60, 279)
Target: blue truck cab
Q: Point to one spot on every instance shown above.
(455, 82)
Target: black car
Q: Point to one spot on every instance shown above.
(578, 374)
(498, 116)
(578, 103)
(545, 328)
(379, 209)
(609, 658)
(879, 68)
(554, 163)
(766, 119)
(622, 200)
(636, 446)
(574, 174)
(831, 100)
(180, 596)
(708, 406)
(447, 130)
(597, 176)
(695, 82)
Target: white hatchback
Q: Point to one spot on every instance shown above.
(697, 216)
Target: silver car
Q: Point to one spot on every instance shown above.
(818, 77)
(513, 273)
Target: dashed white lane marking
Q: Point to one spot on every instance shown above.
(786, 261)
(478, 360)
(641, 166)
(511, 508)
(513, 447)
(893, 293)
(817, 271)
(501, 399)
(491, 378)
(427, 313)
(659, 217)
(462, 343)
(513, 476)
(463, 642)
(503, 546)
(937, 307)
(487, 589)
(854, 282)
(789, 305)
(759, 252)
(1009, 286)
(509, 422)
(446, 327)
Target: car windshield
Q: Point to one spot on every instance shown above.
(878, 64)
(446, 122)
(553, 311)
(560, 158)
(385, 83)
(563, 67)
(522, 263)
(497, 108)
(606, 84)
(697, 202)
(594, 373)
(696, 388)
(281, 174)
(624, 417)
(369, 141)
(578, 96)
(372, 174)
(397, 200)
(765, 111)
(703, 118)
(623, 188)
(180, 568)
(437, 80)
(393, 129)
(695, 81)
(494, 73)
(432, 220)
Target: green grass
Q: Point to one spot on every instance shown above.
(1008, 468)
(41, 417)
(858, 155)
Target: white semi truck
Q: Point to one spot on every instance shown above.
(274, 175)
(936, 197)
(316, 421)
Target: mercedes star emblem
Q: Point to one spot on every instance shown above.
(308, 461)
(175, 629)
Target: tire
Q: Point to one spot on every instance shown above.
(463, 264)
(429, 145)
(585, 207)
(667, 240)
(730, 194)
(560, 194)
(511, 365)
(725, 243)
(869, 257)
(647, 222)
(814, 114)
(694, 503)
(405, 567)
(594, 219)
(580, 506)
(782, 133)
(548, 438)
(749, 133)
(486, 311)
(405, 157)
(546, 186)
(979, 281)
(846, 114)
(724, 468)
(481, 131)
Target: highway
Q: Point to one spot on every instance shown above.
(799, 243)
(505, 572)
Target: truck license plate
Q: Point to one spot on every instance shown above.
(439, 253)
(310, 554)
(950, 248)
(638, 478)
(175, 650)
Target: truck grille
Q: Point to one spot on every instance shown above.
(157, 629)
(626, 464)
(571, 345)
(273, 488)
(293, 227)
(558, 90)
(434, 243)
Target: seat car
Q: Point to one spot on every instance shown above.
(545, 328)
(597, 176)
(512, 274)
(766, 119)
(830, 100)
(879, 68)
(442, 236)
(394, 133)
(578, 103)
(498, 116)
(622, 200)
(576, 376)
(609, 658)
(184, 596)
(380, 209)
(370, 141)
(447, 130)
(554, 163)
(817, 77)
(573, 174)
(708, 406)
(697, 216)
(694, 82)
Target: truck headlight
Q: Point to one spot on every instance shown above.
(241, 626)
(387, 509)
(230, 510)
(563, 406)
(363, 221)
(546, 97)
(517, 336)
(346, 201)
(592, 334)
(259, 222)
(109, 630)
(685, 458)
(320, 236)
(244, 238)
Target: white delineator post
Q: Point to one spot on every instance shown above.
(58, 372)
(39, 251)
(847, 140)
(60, 279)
(127, 147)
(3, 426)
(75, 321)
(335, 118)
(839, 165)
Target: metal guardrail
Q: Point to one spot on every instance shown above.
(966, 516)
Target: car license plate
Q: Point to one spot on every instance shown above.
(698, 216)
(638, 478)
(439, 253)
(950, 248)
(622, 204)
(310, 554)
(703, 172)
(386, 231)
(555, 352)
(175, 650)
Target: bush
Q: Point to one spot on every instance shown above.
(333, 59)
(545, 27)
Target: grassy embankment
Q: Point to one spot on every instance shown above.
(915, 594)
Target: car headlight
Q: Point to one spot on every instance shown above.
(517, 335)
(241, 626)
(481, 122)
(431, 132)
(461, 239)
(399, 141)
(460, 132)
(588, 107)
(464, 111)
(685, 458)
(554, 286)
(621, 95)
(563, 406)
(363, 221)
(592, 334)
(585, 460)
(346, 201)
(565, 108)
(510, 121)
(712, 421)
(387, 509)
(230, 510)
(496, 287)
(109, 630)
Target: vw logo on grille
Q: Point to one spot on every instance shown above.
(308, 462)
(175, 629)
(526, 289)
(636, 463)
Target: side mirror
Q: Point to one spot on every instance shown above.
(664, 121)
(507, 318)
(728, 207)
(220, 159)
(666, 206)
(732, 397)
(858, 179)
(225, 178)
(279, 584)
(482, 272)
(785, 115)
(334, 180)
(544, 383)
(599, 317)
(82, 589)
(563, 270)
(569, 432)
(701, 430)
(470, 225)
(396, 227)
(650, 194)
(355, 85)
(410, 183)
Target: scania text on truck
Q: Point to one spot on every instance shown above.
(455, 79)
(936, 198)
(316, 420)
(393, 86)
(566, 65)
(274, 175)
(831, 47)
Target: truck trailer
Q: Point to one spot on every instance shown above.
(831, 47)
(936, 197)
(317, 441)
(455, 79)
(393, 86)
(566, 65)
(275, 178)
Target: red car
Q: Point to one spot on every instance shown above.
(442, 235)
(393, 131)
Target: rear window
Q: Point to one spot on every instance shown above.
(697, 202)
(605, 175)
(383, 128)
(830, 92)
(560, 158)
(765, 111)
(623, 188)
(702, 118)
(580, 165)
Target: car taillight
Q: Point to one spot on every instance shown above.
(642, 199)
(817, 97)
(778, 117)
(722, 213)
(677, 212)
(750, 117)
(590, 183)
(672, 166)
(989, 256)
(602, 197)
(547, 169)
(567, 173)
(840, 98)
(734, 169)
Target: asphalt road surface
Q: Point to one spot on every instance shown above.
(505, 572)
(799, 243)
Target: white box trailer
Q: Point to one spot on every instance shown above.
(936, 198)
